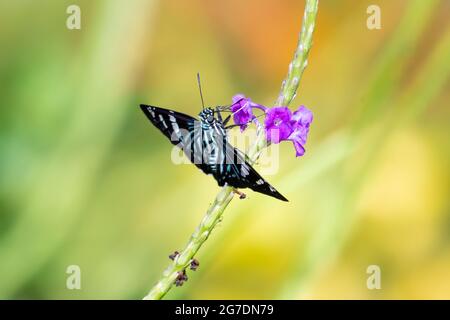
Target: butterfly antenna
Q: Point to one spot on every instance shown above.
(200, 89)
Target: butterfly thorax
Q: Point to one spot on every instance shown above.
(210, 122)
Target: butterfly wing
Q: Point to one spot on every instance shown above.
(237, 172)
(174, 125)
(182, 130)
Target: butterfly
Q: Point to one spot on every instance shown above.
(205, 143)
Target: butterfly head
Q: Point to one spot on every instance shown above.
(207, 116)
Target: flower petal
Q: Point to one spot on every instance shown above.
(242, 111)
(301, 120)
(238, 97)
(302, 116)
(278, 124)
(299, 149)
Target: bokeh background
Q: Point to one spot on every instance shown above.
(86, 180)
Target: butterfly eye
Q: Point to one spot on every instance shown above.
(210, 118)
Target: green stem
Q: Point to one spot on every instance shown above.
(300, 61)
(215, 211)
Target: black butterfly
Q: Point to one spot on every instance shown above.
(205, 143)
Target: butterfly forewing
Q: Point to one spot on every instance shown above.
(174, 125)
(183, 131)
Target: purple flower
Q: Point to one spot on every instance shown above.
(301, 120)
(281, 125)
(278, 124)
(242, 110)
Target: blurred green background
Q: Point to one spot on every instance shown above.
(86, 180)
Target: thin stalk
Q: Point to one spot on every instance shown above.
(215, 211)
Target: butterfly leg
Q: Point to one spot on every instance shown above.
(219, 116)
(226, 120)
(241, 194)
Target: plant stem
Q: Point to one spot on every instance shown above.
(300, 61)
(215, 211)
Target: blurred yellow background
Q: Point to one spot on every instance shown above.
(86, 180)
